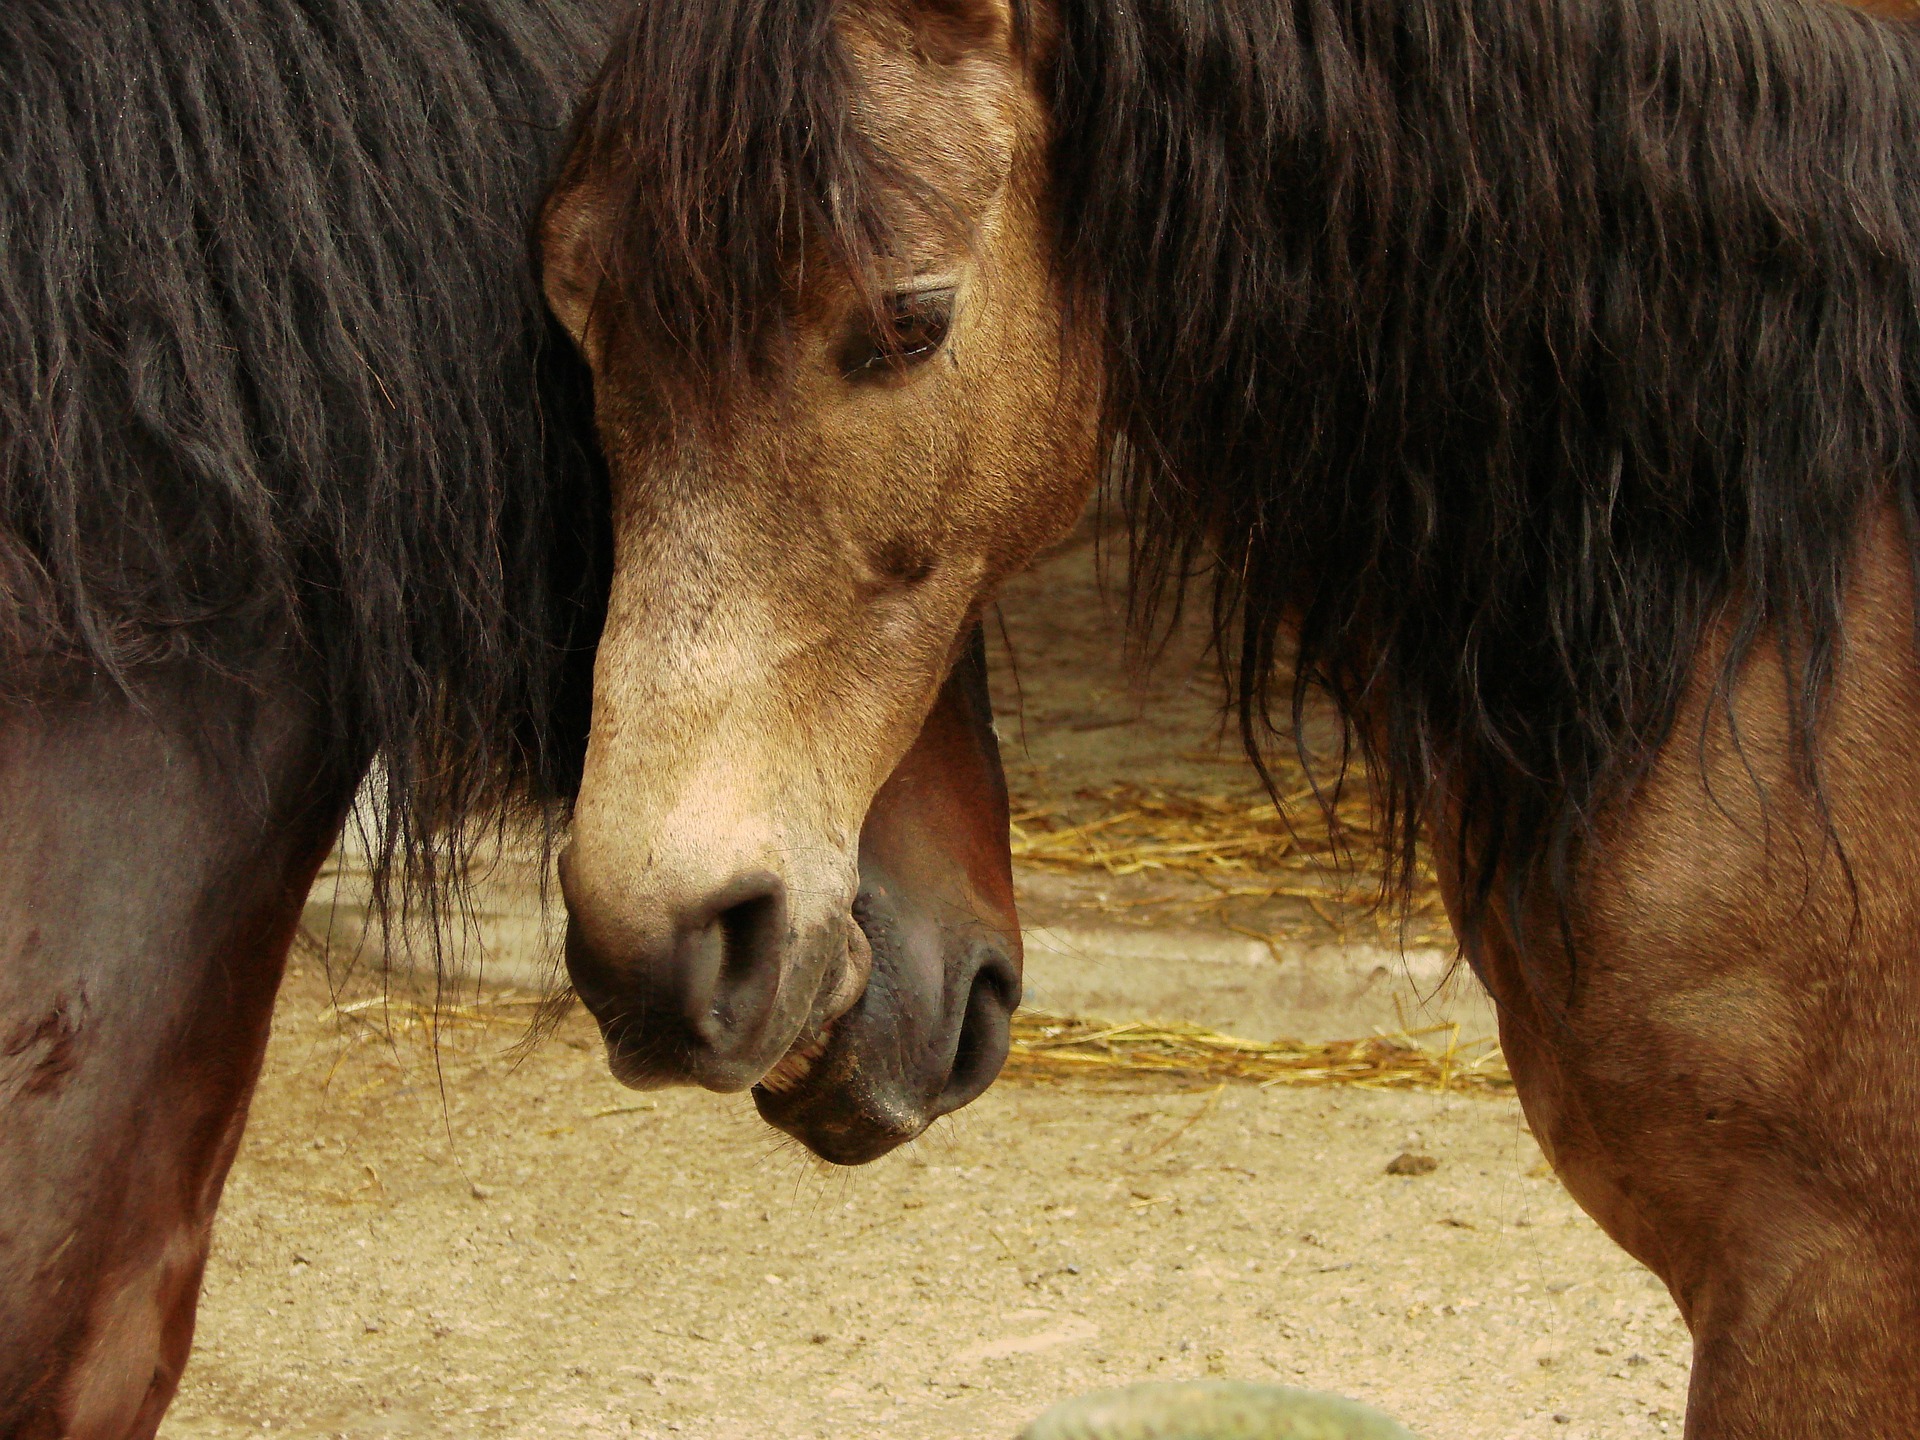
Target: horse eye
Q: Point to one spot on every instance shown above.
(915, 324)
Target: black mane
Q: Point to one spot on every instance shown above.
(1498, 349)
(724, 143)
(273, 362)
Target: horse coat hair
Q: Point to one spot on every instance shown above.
(274, 365)
(1518, 347)
(1493, 352)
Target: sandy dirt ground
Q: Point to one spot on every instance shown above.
(533, 1251)
(1089, 725)
(507, 1243)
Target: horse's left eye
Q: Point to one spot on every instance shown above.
(915, 325)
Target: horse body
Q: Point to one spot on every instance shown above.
(285, 483)
(1728, 1090)
(297, 478)
(157, 853)
(1538, 378)
(1596, 518)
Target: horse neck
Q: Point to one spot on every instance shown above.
(1492, 345)
(1416, 195)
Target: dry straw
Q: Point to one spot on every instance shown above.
(1046, 1047)
(1060, 1047)
(1235, 850)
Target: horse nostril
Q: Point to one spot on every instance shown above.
(984, 1032)
(739, 945)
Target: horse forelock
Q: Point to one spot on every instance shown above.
(727, 149)
(1498, 350)
(272, 363)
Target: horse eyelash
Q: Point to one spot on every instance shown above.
(867, 353)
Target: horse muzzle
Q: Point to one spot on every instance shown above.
(927, 1036)
(720, 991)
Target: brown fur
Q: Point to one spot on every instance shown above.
(788, 597)
(1724, 1079)
(1730, 1090)
(152, 870)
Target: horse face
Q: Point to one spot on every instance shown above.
(930, 1030)
(794, 582)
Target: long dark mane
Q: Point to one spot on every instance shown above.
(274, 366)
(1498, 350)
(725, 143)
(1486, 353)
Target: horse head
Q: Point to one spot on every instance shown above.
(935, 908)
(800, 247)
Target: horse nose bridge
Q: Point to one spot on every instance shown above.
(633, 881)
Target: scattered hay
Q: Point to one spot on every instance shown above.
(1149, 829)
(1060, 1047)
(1046, 1047)
(392, 1017)
(1239, 847)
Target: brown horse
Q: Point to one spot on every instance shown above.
(294, 480)
(1538, 376)
(152, 875)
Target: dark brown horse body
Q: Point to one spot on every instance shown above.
(293, 482)
(1538, 376)
(159, 850)
(1727, 1091)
